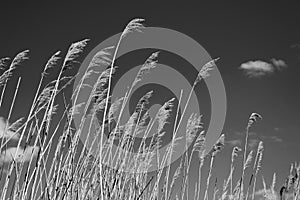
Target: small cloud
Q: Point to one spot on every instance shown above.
(267, 194)
(21, 154)
(253, 143)
(243, 133)
(279, 64)
(276, 138)
(257, 68)
(12, 153)
(5, 132)
(295, 46)
(273, 195)
(261, 68)
(236, 142)
(253, 139)
(273, 138)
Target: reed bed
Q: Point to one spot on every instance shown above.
(30, 171)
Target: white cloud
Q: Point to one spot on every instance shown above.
(273, 195)
(4, 133)
(276, 138)
(295, 46)
(260, 68)
(7, 155)
(273, 138)
(243, 133)
(279, 64)
(257, 68)
(12, 153)
(253, 139)
(253, 143)
(236, 142)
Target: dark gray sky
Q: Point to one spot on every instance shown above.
(237, 32)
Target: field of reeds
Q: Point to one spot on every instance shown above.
(40, 167)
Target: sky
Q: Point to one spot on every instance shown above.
(258, 44)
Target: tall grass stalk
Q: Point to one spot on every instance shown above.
(253, 118)
(258, 160)
(133, 25)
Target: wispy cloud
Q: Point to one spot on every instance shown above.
(279, 64)
(242, 133)
(273, 138)
(295, 45)
(277, 129)
(259, 68)
(240, 141)
(252, 141)
(236, 142)
(276, 139)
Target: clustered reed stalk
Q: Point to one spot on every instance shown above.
(216, 149)
(34, 173)
(253, 118)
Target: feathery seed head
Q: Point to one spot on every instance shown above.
(219, 145)
(248, 160)
(149, 64)
(253, 118)
(144, 100)
(164, 113)
(3, 62)
(74, 50)
(200, 145)
(204, 72)
(193, 126)
(102, 57)
(235, 152)
(20, 57)
(133, 25)
(51, 62)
